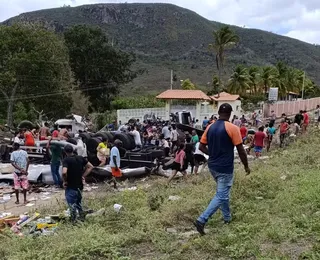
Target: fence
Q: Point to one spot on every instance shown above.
(291, 107)
(141, 113)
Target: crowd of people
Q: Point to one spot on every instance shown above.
(215, 148)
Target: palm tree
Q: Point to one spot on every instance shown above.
(239, 80)
(282, 77)
(255, 78)
(223, 38)
(268, 76)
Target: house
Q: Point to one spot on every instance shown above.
(233, 100)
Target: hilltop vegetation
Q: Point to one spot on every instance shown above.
(165, 37)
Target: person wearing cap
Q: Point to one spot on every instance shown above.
(115, 161)
(75, 168)
(20, 162)
(218, 141)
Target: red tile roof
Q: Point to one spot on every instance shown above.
(224, 96)
(183, 94)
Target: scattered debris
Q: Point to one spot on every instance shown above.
(173, 198)
(283, 177)
(171, 230)
(117, 207)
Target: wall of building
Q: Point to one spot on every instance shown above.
(200, 111)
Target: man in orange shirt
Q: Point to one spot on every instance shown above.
(218, 141)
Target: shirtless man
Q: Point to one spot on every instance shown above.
(44, 132)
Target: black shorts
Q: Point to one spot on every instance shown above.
(199, 158)
(319, 119)
(176, 166)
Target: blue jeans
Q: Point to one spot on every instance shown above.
(221, 199)
(55, 173)
(74, 198)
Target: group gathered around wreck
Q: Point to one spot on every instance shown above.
(210, 143)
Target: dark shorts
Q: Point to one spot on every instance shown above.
(199, 158)
(319, 119)
(176, 166)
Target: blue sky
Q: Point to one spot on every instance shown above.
(298, 19)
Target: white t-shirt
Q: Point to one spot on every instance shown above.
(174, 135)
(18, 140)
(197, 151)
(114, 152)
(164, 143)
(166, 132)
(137, 137)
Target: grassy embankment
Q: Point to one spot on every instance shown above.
(276, 214)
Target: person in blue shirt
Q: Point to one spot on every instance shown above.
(218, 141)
(205, 123)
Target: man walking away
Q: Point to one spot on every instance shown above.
(218, 142)
(75, 168)
(56, 157)
(258, 141)
(20, 161)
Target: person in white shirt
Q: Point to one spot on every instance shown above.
(174, 137)
(165, 145)
(199, 158)
(166, 132)
(136, 136)
(19, 138)
(197, 125)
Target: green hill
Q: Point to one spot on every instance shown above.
(165, 37)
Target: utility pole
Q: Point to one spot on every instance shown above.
(304, 77)
(171, 80)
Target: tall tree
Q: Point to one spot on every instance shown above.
(223, 38)
(99, 69)
(239, 80)
(255, 79)
(34, 69)
(268, 76)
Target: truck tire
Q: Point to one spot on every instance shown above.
(85, 137)
(127, 141)
(92, 145)
(26, 124)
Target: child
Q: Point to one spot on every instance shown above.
(178, 164)
(259, 141)
(103, 152)
(271, 130)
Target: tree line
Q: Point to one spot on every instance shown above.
(41, 70)
(256, 80)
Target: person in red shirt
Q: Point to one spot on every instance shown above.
(284, 127)
(305, 121)
(258, 140)
(244, 132)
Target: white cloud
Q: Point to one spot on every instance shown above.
(294, 18)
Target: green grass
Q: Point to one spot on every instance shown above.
(283, 225)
